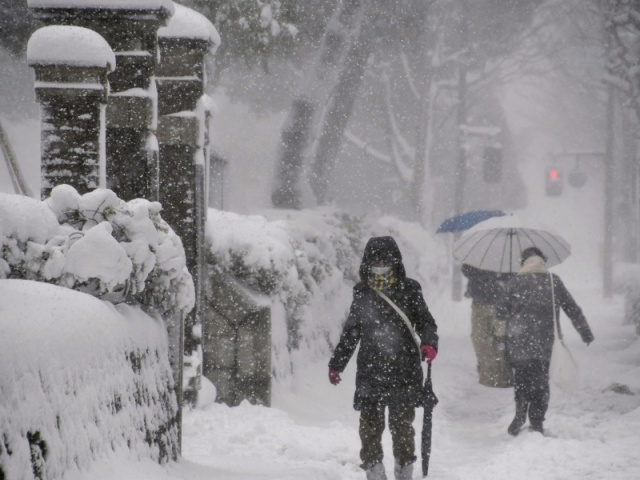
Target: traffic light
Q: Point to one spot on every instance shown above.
(492, 166)
(577, 178)
(554, 181)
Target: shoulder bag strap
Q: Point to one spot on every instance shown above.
(402, 315)
(553, 305)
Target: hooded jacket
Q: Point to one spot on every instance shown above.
(527, 308)
(484, 287)
(388, 363)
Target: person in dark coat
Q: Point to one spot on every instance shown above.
(485, 288)
(528, 311)
(388, 365)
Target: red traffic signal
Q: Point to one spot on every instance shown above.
(553, 181)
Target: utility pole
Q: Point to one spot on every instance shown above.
(607, 268)
(461, 159)
(421, 154)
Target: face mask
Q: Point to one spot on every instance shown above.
(380, 270)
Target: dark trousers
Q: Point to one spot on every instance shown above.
(402, 434)
(531, 382)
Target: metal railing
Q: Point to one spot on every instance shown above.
(17, 178)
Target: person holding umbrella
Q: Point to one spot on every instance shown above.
(531, 302)
(387, 311)
(485, 289)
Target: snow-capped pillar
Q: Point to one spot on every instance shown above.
(184, 43)
(130, 27)
(71, 66)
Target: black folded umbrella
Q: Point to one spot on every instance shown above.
(430, 401)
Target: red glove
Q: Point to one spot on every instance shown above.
(428, 352)
(334, 376)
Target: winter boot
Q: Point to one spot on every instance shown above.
(536, 426)
(376, 472)
(519, 419)
(403, 473)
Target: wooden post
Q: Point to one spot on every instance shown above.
(607, 267)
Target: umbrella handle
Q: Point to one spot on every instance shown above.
(428, 374)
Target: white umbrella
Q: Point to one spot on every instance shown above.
(496, 244)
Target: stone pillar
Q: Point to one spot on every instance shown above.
(182, 124)
(72, 89)
(216, 164)
(130, 27)
(237, 342)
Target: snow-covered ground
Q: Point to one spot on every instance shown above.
(311, 430)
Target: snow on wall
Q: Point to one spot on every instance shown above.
(69, 45)
(79, 378)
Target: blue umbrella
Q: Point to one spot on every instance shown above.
(467, 220)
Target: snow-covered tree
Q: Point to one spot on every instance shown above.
(253, 30)
(16, 24)
(449, 70)
(413, 49)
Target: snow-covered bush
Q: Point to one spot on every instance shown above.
(98, 244)
(307, 262)
(295, 262)
(80, 378)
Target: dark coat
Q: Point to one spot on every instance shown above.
(388, 363)
(526, 306)
(484, 287)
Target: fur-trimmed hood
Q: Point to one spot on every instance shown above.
(533, 264)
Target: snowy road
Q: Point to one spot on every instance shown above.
(311, 431)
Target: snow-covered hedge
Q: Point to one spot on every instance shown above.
(307, 262)
(79, 378)
(98, 244)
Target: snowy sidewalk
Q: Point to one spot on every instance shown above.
(311, 431)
